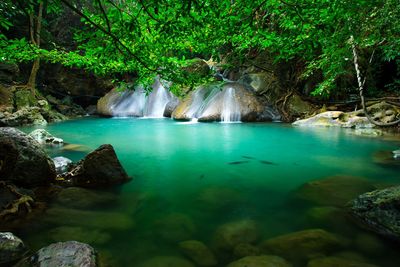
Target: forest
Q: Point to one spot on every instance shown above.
(231, 133)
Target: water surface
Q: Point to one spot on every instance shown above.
(188, 179)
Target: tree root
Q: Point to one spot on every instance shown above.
(22, 201)
(282, 107)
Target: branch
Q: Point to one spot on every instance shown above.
(148, 12)
(115, 38)
(104, 15)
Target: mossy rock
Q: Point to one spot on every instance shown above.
(260, 261)
(89, 219)
(301, 246)
(334, 190)
(86, 235)
(337, 262)
(198, 252)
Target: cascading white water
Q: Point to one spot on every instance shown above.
(157, 101)
(129, 103)
(137, 104)
(230, 111)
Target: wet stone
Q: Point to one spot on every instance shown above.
(260, 261)
(336, 262)
(334, 190)
(198, 252)
(11, 248)
(303, 245)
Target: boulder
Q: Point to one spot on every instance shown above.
(44, 137)
(171, 106)
(334, 190)
(248, 106)
(166, 261)
(379, 211)
(260, 261)
(70, 253)
(303, 245)
(335, 119)
(213, 102)
(24, 116)
(100, 167)
(23, 160)
(11, 248)
(233, 233)
(24, 98)
(297, 107)
(198, 252)
(62, 164)
(197, 67)
(337, 262)
(8, 72)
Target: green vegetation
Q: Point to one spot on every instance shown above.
(158, 37)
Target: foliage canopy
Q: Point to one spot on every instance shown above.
(159, 36)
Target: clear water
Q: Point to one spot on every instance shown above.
(190, 178)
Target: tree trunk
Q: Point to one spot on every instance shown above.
(361, 88)
(35, 39)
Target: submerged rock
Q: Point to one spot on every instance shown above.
(218, 198)
(231, 234)
(303, 245)
(334, 190)
(166, 261)
(81, 198)
(61, 164)
(100, 167)
(198, 252)
(386, 159)
(175, 227)
(44, 137)
(260, 261)
(11, 248)
(337, 262)
(244, 249)
(89, 219)
(379, 211)
(23, 161)
(86, 235)
(70, 253)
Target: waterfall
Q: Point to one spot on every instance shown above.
(136, 103)
(129, 103)
(157, 101)
(197, 101)
(230, 111)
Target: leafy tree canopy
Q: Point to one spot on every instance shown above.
(158, 37)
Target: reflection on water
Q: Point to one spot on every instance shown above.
(237, 189)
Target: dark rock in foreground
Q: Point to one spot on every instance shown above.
(379, 211)
(100, 167)
(22, 160)
(70, 253)
(11, 248)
